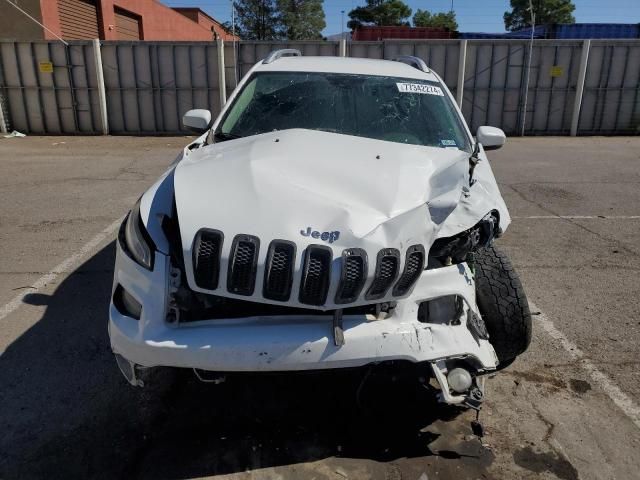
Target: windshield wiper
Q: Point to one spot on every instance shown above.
(222, 136)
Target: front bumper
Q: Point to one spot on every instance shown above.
(290, 343)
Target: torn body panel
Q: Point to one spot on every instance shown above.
(294, 342)
(478, 200)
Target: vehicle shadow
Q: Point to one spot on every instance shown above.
(67, 412)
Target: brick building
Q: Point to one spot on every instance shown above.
(108, 20)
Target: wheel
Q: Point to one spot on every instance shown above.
(502, 304)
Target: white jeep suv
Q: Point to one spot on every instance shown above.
(337, 213)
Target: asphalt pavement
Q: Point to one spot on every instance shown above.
(567, 409)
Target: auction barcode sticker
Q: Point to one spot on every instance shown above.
(419, 88)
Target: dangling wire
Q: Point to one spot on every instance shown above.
(43, 26)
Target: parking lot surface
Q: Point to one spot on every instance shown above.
(567, 409)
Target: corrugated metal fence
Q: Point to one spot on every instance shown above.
(150, 85)
(50, 88)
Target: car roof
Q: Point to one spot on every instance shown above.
(363, 66)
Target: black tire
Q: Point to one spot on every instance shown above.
(503, 304)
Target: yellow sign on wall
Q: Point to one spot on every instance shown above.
(557, 71)
(46, 67)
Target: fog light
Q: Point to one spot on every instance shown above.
(459, 380)
(126, 304)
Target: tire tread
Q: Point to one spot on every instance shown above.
(502, 303)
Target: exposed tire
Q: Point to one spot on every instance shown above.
(503, 304)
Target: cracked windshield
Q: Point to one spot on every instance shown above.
(384, 108)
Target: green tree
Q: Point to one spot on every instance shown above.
(257, 19)
(424, 18)
(380, 13)
(301, 19)
(546, 11)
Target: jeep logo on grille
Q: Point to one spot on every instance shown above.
(324, 236)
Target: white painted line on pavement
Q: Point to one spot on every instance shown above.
(621, 399)
(63, 267)
(577, 217)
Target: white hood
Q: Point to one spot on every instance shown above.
(376, 194)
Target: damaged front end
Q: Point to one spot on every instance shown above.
(234, 292)
(461, 247)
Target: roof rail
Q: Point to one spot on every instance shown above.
(415, 62)
(285, 52)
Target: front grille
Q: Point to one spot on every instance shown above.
(206, 258)
(281, 266)
(353, 275)
(316, 275)
(278, 272)
(413, 266)
(241, 278)
(386, 272)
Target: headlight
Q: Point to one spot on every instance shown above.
(139, 245)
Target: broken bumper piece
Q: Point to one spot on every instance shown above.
(289, 343)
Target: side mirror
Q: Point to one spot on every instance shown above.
(491, 138)
(197, 120)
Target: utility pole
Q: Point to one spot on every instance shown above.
(233, 18)
(342, 25)
(233, 32)
(526, 83)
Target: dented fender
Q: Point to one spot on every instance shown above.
(477, 200)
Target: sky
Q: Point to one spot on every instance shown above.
(472, 15)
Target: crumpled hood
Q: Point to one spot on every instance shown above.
(281, 182)
(286, 184)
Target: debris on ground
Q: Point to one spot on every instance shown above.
(16, 134)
